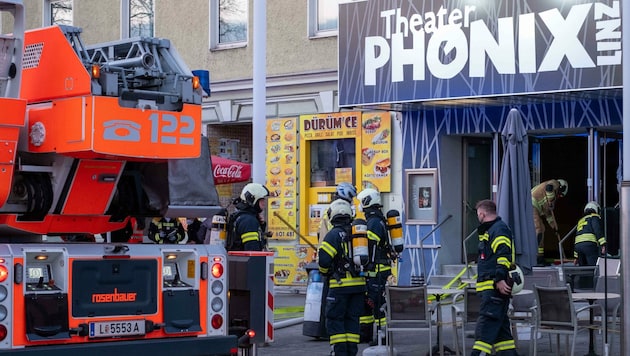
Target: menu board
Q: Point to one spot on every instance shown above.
(281, 163)
(290, 264)
(376, 145)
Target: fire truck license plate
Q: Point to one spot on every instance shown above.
(117, 328)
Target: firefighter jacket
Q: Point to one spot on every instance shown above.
(495, 254)
(334, 261)
(544, 197)
(165, 231)
(378, 241)
(248, 230)
(589, 229)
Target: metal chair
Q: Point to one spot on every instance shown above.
(552, 272)
(464, 317)
(520, 311)
(556, 315)
(407, 309)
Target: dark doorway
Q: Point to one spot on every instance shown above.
(566, 158)
(478, 176)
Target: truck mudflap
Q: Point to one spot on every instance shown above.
(181, 346)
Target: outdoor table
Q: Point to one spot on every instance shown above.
(591, 297)
(439, 348)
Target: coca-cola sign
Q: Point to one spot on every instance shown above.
(228, 171)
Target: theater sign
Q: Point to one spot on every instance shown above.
(398, 51)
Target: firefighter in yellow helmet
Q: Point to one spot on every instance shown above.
(544, 197)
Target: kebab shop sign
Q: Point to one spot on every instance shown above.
(328, 126)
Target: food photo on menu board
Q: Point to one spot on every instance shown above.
(376, 151)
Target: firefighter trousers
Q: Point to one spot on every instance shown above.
(342, 320)
(374, 300)
(493, 326)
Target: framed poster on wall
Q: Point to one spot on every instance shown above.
(421, 198)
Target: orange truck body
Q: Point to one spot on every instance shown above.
(91, 137)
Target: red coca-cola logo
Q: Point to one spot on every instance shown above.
(232, 171)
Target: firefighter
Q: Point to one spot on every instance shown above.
(589, 238)
(249, 226)
(493, 283)
(192, 228)
(344, 301)
(166, 231)
(544, 197)
(345, 191)
(380, 268)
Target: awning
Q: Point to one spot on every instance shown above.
(226, 171)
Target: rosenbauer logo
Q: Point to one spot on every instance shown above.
(113, 297)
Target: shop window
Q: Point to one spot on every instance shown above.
(57, 12)
(332, 162)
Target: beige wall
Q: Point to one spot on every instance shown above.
(187, 25)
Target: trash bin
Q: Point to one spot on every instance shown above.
(314, 310)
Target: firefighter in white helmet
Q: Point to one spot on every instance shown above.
(544, 198)
(344, 301)
(345, 191)
(249, 226)
(380, 268)
(590, 240)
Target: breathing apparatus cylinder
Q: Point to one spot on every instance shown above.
(394, 225)
(218, 230)
(359, 242)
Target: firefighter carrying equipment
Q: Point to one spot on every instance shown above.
(544, 197)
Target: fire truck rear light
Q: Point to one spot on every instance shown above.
(217, 270)
(3, 293)
(4, 273)
(217, 321)
(96, 71)
(3, 312)
(3, 332)
(217, 287)
(217, 304)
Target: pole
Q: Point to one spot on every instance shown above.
(625, 188)
(259, 90)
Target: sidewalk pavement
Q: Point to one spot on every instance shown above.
(289, 339)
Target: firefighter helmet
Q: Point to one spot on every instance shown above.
(518, 279)
(563, 187)
(369, 197)
(339, 208)
(346, 191)
(253, 192)
(592, 206)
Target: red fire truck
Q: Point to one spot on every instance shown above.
(89, 137)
